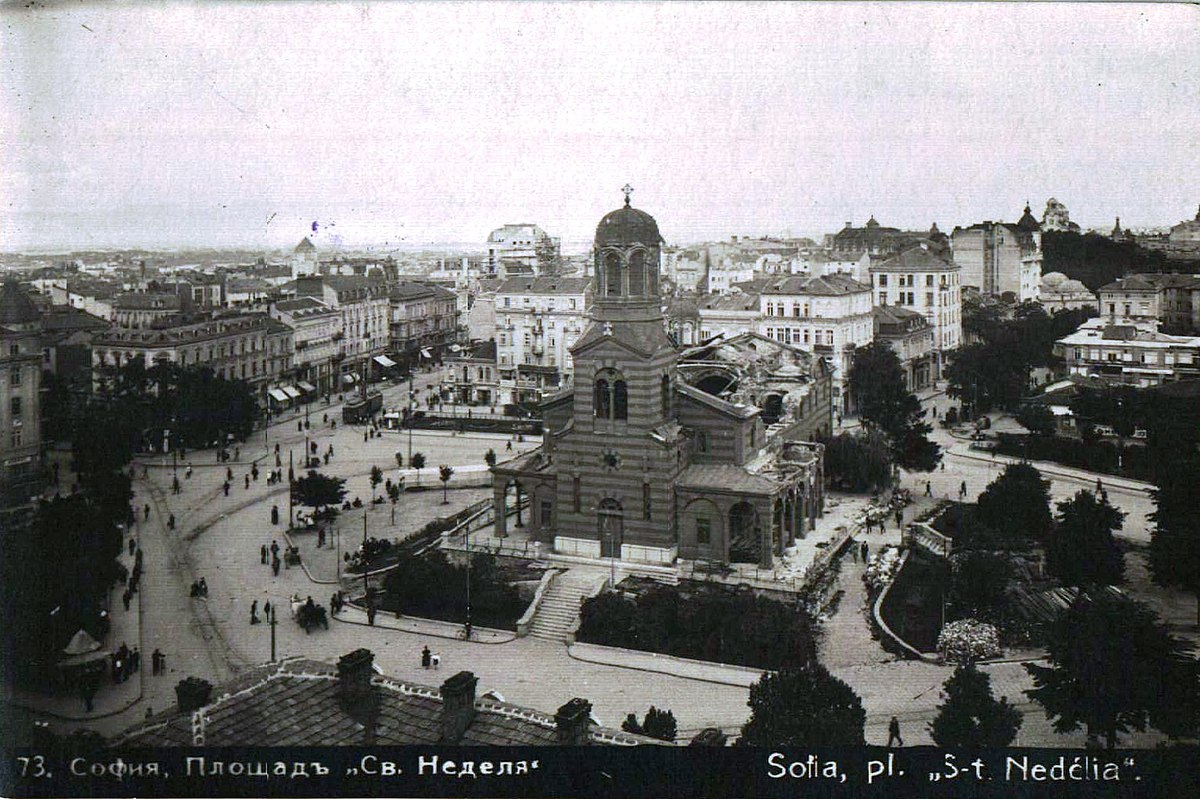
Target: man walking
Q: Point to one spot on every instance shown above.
(262, 554)
(864, 551)
(254, 612)
(894, 733)
(425, 657)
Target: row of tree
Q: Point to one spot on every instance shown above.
(886, 406)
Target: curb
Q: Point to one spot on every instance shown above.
(1059, 471)
(707, 680)
(453, 637)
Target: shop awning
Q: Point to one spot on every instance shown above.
(384, 361)
(292, 392)
(348, 379)
(277, 395)
(309, 387)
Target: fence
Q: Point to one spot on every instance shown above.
(923, 535)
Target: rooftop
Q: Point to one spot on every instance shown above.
(834, 285)
(544, 285)
(915, 259)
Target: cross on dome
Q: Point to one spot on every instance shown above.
(628, 191)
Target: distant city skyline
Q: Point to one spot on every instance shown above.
(391, 125)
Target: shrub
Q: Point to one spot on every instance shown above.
(882, 568)
(968, 640)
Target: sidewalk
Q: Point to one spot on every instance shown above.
(699, 670)
(353, 614)
(1056, 470)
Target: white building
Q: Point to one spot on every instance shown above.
(314, 329)
(538, 319)
(519, 249)
(728, 314)
(829, 315)
(304, 260)
(1000, 258)
(362, 303)
(925, 282)
(1130, 354)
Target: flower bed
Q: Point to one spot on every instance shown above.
(967, 641)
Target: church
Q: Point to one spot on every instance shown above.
(658, 453)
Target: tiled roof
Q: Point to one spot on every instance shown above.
(544, 285)
(726, 478)
(298, 702)
(914, 259)
(731, 302)
(821, 285)
(304, 306)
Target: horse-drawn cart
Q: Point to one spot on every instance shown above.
(308, 614)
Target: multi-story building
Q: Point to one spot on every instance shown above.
(730, 269)
(830, 262)
(1187, 232)
(250, 347)
(873, 239)
(538, 320)
(924, 281)
(828, 315)
(362, 303)
(472, 377)
(1130, 354)
(520, 249)
(87, 294)
(728, 314)
(1170, 299)
(20, 404)
(304, 260)
(424, 322)
(1001, 258)
(910, 336)
(314, 330)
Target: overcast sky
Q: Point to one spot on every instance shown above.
(245, 123)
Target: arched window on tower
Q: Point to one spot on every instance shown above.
(612, 275)
(602, 402)
(637, 274)
(620, 400)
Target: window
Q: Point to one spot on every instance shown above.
(703, 530)
(620, 400)
(612, 275)
(610, 397)
(15, 375)
(546, 510)
(928, 299)
(15, 438)
(806, 335)
(572, 303)
(883, 298)
(883, 280)
(646, 502)
(15, 406)
(637, 273)
(929, 280)
(796, 311)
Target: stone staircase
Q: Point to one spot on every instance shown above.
(556, 616)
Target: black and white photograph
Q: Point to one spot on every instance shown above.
(776, 399)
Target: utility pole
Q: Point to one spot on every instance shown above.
(271, 621)
(410, 414)
(366, 560)
(291, 486)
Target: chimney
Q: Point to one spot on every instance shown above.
(192, 694)
(458, 706)
(354, 676)
(573, 721)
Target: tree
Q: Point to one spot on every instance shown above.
(489, 458)
(803, 705)
(658, 724)
(1017, 504)
(318, 491)
(978, 582)
(1115, 668)
(1081, 550)
(877, 385)
(417, 461)
(1036, 418)
(970, 716)
(376, 479)
(858, 461)
(393, 492)
(445, 472)
(1175, 539)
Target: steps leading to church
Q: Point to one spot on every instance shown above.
(556, 616)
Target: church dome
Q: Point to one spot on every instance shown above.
(1028, 222)
(1052, 279)
(626, 226)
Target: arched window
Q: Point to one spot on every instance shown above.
(637, 274)
(666, 395)
(620, 400)
(602, 403)
(612, 275)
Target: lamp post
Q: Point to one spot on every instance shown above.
(410, 413)
(366, 563)
(291, 486)
(271, 621)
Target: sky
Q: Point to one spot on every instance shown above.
(384, 125)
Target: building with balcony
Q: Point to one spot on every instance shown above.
(424, 323)
(137, 310)
(1001, 258)
(910, 336)
(829, 316)
(362, 303)
(471, 377)
(1129, 354)
(1172, 300)
(924, 281)
(315, 327)
(21, 473)
(538, 320)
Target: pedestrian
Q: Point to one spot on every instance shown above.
(126, 597)
(146, 511)
(320, 537)
(135, 659)
(275, 566)
(962, 489)
(277, 450)
(854, 550)
(333, 605)
(171, 522)
(274, 520)
(267, 610)
(364, 436)
(262, 554)
(508, 446)
(274, 548)
(225, 487)
(436, 660)
(229, 474)
(137, 560)
(899, 519)
(247, 482)
(254, 472)
(132, 545)
(187, 473)
(299, 426)
(928, 489)
(1099, 486)
(237, 453)
(894, 732)
(254, 612)
(425, 657)
(203, 587)
(371, 614)
(326, 458)
(864, 551)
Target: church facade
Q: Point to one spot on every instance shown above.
(639, 463)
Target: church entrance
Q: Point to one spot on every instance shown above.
(611, 528)
(745, 543)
